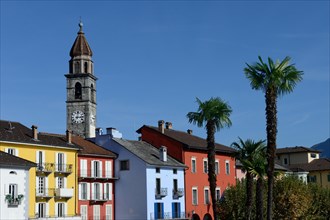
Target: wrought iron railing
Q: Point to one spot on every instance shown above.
(45, 167)
(89, 173)
(161, 192)
(63, 168)
(177, 193)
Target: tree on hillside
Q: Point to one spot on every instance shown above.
(249, 153)
(274, 79)
(214, 114)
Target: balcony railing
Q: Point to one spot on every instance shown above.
(100, 197)
(95, 174)
(45, 192)
(46, 168)
(63, 168)
(14, 200)
(160, 193)
(177, 193)
(53, 217)
(168, 215)
(64, 192)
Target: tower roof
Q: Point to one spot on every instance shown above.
(80, 45)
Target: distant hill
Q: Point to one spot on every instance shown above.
(324, 147)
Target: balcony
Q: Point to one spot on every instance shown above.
(45, 168)
(14, 201)
(63, 192)
(168, 215)
(160, 193)
(44, 193)
(53, 217)
(98, 197)
(85, 174)
(177, 193)
(62, 168)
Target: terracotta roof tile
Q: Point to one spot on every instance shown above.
(8, 160)
(297, 149)
(89, 148)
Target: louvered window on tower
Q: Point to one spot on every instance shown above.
(77, 91)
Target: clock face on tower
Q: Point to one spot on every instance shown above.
(78, 117)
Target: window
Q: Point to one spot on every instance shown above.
(312, 179)
(96, 212)
(176, 212)
(328, 177)
(217, 194)
(158, 187)
(60, 209)
(13, 190)
(77, 91)
(157, 170)
(193, 165)
(60, 182)
(76, 67)
(206, 196)
(83, 192)
(194, 196)
(175, 171)
(124, 165)
(60, 162)
(85, 67)
(108, 169)
(285, 161)
(159, 210)
(97, 191)
(83, 212)
(96, 169)
(216, 167)
(205, 167)
(41, 210)
(41, 185)
(40, 160)
(227, 167)
(313, 155)
(108, 191)
(108, 212)
(12, 151)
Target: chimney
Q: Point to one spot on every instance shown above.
(168, 125)
(189, 131)
(98, 131)
(163, 153)
(114, 133)
(69, 136)
(34, 132)
(161, 126)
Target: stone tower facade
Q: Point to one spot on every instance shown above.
(81, 89)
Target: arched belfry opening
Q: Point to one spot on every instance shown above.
(77, 91)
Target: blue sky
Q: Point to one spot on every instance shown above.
(153, 58)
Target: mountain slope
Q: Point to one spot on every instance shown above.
(324, 147)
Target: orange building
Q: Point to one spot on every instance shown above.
(191, 150)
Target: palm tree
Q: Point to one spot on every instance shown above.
(274, 79)
(214, 114)
(248, 153)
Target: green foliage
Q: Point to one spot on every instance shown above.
(293, 199)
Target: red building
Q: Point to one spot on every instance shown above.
(191, 150)
(96, 181)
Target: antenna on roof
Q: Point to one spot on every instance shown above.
(11, 128)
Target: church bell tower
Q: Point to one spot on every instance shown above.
(81, 89)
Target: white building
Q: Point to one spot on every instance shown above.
(151, 183)
(14, 186)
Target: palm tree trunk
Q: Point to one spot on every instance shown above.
(249, 195)
(210, 127)
(259, 199)
(271, 118)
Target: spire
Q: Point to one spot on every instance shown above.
(80, 45)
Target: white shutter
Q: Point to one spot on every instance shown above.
(56, 209)
(101, 190)
(110, 191)
(92, 168)
(93, 193)
(36, 208)
(56, 182)
(88, 191)
(65, 182)
(56, 161)
(65, 209)
(83, 168)
(79, 191)
(108, 212)
(16, 152)
(83, 212)
(101, 174)
(47, 209)
(108, 169)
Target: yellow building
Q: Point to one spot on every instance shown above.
(53, 183)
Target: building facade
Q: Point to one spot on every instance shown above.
(96, 181)
(14, 187)
(81, 89)
(53, 183)
(150, 183)
(191, 150)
